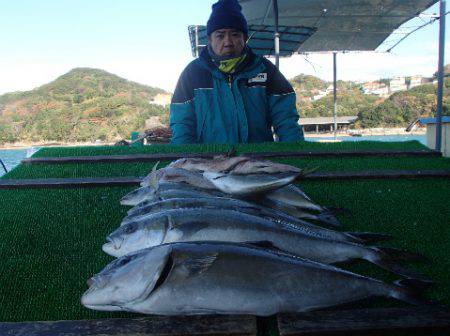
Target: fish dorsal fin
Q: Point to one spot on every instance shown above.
(199, 264)
(153, 182)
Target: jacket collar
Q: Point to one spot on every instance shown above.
(251, 66)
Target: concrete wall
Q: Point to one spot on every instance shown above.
(431, 138)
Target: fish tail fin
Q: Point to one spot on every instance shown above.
(386, 262)
(403, 291)
(307, 171)
(338, 211)
(370, 237)
(328, 218)
(413, 283)
(399, 254)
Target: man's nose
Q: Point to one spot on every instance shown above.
(227, 40)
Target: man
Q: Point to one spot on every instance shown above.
(229, 94)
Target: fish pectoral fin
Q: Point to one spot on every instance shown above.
(199, 264)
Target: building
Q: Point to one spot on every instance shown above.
(376, 88)
(320, 95)
(397, 84)
(415, 81)
(326, 124)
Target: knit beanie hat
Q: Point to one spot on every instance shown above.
(226, 14)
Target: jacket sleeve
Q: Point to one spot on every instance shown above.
(282, 108)
(182, 116)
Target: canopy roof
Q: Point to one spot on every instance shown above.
(261, 38)
(342, 25)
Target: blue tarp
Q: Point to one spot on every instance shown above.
(424, 121)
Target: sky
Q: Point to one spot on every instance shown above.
(146, 41)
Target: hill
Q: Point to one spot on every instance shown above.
(398, 110)
(83, 105)
(403, 107)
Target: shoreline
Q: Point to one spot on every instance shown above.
(348, 133)
(368, 132)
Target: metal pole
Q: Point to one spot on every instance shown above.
(196, 41)
(334, 95)
(277, 34)
(4, 167)
(440, 75)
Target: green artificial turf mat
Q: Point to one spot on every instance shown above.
(415, 212)
(50, 239)
(137, 169)
(50, 244)
(263, 147)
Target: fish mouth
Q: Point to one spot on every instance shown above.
(86, 300)
(117, 243)
(112, 244)
(90, 282)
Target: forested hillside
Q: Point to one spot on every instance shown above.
(85, 105)
(82, 105)
(397, 110)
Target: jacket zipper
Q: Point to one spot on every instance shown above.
(230, 80)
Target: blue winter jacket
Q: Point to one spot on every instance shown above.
(209, 106)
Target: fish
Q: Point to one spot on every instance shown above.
(216, 278)
(217, 164)
(164, 190)
(292, 195)
(253, 166)
(239, 165)
(137, 196)
(183, 225)
(141, 213)
(252, 184)
(326, 217)
(171, 174)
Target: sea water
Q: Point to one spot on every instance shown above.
(387, 138)
(11, 158)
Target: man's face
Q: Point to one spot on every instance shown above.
(227, 42)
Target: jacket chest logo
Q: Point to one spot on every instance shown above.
(259, 78)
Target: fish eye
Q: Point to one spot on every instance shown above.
(123, 261)
(129, 229)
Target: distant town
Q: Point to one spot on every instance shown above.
(383, 88)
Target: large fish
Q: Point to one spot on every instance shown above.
(171, 174)
(326, 217)
(292, 195)
(252, 184)
(184, 225)
(137, 196)
(235, 165)
(200, 165)
(165, 190)
(205, 278)
(140, 213)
